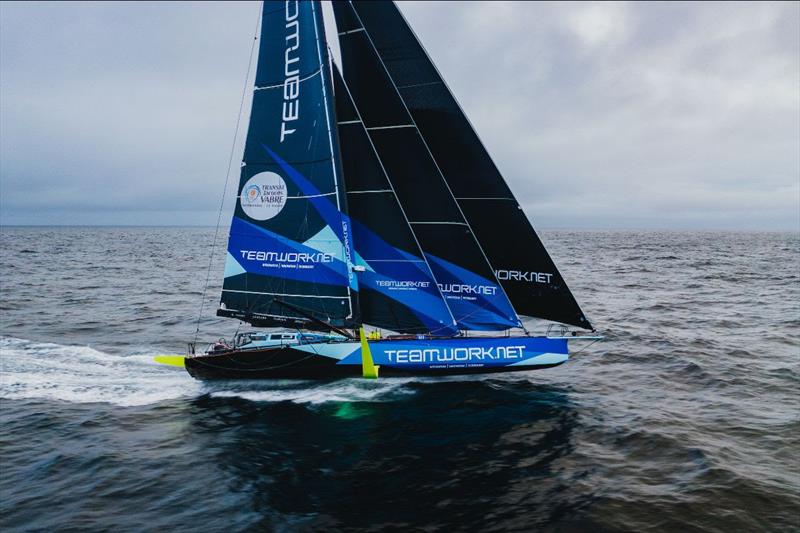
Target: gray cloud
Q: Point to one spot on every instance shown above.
(683, 115)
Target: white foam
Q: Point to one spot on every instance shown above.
(344, 390)
(80, 374)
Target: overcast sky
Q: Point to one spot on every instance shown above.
(599, 115)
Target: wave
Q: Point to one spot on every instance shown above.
(345, 390)
(81, 374)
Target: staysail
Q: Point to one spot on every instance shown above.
(462, 271)
(517, 255)
(290, 252)
(397, 290)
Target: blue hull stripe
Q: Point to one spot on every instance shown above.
(433, 354)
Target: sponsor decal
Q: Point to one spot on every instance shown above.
(263, 196)
(530, 277)
(399, 285)
(346, 243)
(456, 355)
(458, 291)
(286, 259)
(291, 82)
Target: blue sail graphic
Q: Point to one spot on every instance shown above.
(400, 278)
(476, 302)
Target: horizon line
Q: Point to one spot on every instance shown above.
(544, 228)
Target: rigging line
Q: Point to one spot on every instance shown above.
(582, 349)
(419, 85)
(278, 85)
(227, 176)
(348, 251)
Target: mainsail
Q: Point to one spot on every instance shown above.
(520, 261)
(462, 271)
(397, 290)
(290, 252)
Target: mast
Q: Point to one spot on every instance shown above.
(517, 255)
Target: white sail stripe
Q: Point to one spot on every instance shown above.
(281, 84)
(391, 127)
(310, 196)
(372, 191)
(349, 122)
(394, 260)
(450, 223)
(289, 295)
(351, 31)
(487, 198)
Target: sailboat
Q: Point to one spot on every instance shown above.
(367, 200)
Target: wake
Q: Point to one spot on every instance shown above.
(80, 374)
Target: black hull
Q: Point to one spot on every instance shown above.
(287, 363)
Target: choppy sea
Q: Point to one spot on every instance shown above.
(686, 418)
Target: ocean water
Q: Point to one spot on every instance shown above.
(686, 418)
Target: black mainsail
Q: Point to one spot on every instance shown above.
(462, 271)
(520, 261)
(290, 252)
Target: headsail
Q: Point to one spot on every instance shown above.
(397, 290)
(289, 251)
(521, 263)
(466, 279)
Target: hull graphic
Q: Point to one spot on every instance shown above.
(396, 357)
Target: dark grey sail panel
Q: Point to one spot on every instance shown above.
(523, 266)
(403, 156)
(289, 254)
(463, 274)
(397, 290)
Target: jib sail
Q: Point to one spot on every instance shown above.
(517, 255)
(290, 248)
(397, 290)
(463, 274)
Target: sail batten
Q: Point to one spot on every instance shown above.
(509, 241)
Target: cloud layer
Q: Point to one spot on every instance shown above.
(669, 115)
